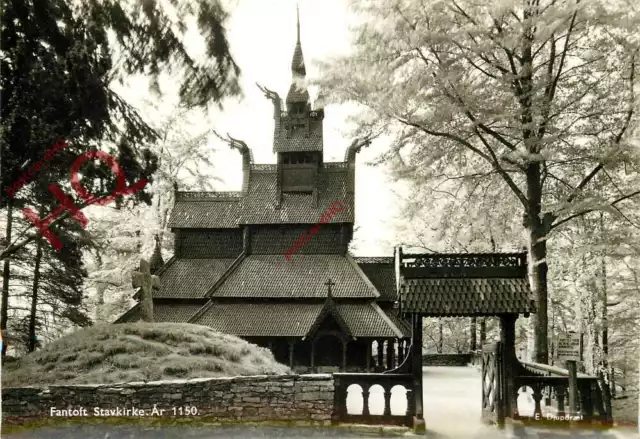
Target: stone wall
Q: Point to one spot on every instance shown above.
(446, 359)
(254, 398)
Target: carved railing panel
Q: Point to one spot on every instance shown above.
(205, 196)
(465, 260)
(342, 381)
(590, 407)
(465, 265)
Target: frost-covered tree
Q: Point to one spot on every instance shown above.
(59, 62)
(124, 235)
(537, 96)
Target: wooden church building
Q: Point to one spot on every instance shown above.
(323, 310)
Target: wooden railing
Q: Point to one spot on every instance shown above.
(550, 387)
(342, 382)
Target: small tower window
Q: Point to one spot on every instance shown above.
(298, 158)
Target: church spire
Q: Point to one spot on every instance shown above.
(298, 94)
(297, 63)
(298, 22)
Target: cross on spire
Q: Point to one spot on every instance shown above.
(329, 283)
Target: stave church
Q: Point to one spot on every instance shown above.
(321, 309)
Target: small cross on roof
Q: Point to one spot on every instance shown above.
(329, 283)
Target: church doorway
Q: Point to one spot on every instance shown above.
(328, 351)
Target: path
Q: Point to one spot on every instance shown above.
(452, 408)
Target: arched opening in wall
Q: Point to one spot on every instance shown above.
(355, 402)
(399, 402)
(376, 400)
(525, 401)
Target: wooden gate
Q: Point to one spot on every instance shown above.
(493, 391)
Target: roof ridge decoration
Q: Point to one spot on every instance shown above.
(236, 144)
(247, 157)
(275, 98)
(356, 146)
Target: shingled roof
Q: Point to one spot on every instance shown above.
(382, 274)
(466, 297)
(173, 313)
(465, 284)
(260, 204)
(296, 319)
(190, 278)
(299, 139)
(271, 276)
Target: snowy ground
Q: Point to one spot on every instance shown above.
(452, 406)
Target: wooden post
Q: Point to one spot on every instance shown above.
(380, 353)
(313, 354)
(508, 339)
(400, 351)
(472, 335)
(416, 370)
(483, 331)
(369, 356)
(573, 387)
(390, 354)
(560, 395)
(291, 342)
(365, 400)
(344, 355)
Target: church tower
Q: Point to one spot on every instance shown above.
(298, 132)
(268, 264)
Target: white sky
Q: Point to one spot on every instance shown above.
(262, 35)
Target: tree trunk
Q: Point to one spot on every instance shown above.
(5, 281)
(100, 289)
(34, 298)
(472, 338)
(603, 279)
(483, 331)
(538, 228)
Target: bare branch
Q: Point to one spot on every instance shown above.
(584, 212)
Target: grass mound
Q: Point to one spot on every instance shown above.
(107, 354)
